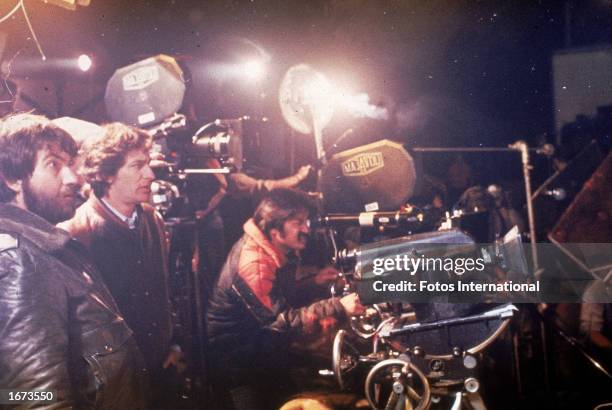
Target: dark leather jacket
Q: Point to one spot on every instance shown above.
(251, 318)
(60, 329)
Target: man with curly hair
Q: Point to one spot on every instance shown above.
(126, 238)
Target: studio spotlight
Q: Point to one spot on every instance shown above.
(84, 62)
(306, 96)
(307, 101)
(319, 92)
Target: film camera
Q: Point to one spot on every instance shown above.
(419, 355)
(185, 160)
(409, 350)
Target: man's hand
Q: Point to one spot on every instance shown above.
(352, 305)
(157, 160)
(303, 172)
(326, 276)
(173, 358)
(201, 213)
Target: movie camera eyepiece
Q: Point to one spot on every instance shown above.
(219, 139)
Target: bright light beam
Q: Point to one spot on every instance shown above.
(358, 105)
(323, 98)
(308, 100)
(84, 62)
(254, 69)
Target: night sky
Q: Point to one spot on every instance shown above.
(465, 72)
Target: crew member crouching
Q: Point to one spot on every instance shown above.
(250, 321)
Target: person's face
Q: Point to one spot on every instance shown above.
(132, 183)
(52, 190)
(294, 235)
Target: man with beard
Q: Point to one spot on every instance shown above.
(60, 329)
(126, 239)
(253, 314)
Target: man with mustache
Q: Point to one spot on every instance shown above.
(127, 241)
(252, 316)
(60, 328)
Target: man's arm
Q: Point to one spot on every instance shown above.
(289, 182)
(591, 324)
(243, 183)
(312, 287)
(601, 341)
(308, 319)
(255, 291)
(34, 341)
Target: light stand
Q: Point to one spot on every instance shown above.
(522, 147)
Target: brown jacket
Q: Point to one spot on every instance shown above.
(133, 263)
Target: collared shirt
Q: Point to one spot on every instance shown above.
(130, 221)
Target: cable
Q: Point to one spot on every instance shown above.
(20, 4)
(10, 13)
(27, 19)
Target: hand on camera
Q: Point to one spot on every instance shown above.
(157, 160)
(326, 276)
(303, 172)
(174, 356)
(352, 305)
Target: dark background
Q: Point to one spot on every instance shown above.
(467, 72)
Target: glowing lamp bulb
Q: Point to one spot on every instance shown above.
(84, 62)
(254, 69)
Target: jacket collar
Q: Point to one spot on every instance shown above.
(32, 227)
(102, 209)
(253, 232)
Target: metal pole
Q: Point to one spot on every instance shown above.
(317, 132)
(462, 149)
(521, 146)
(466, 149)
(545, 356)
(517, 364)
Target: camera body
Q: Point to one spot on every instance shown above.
(185, 172)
